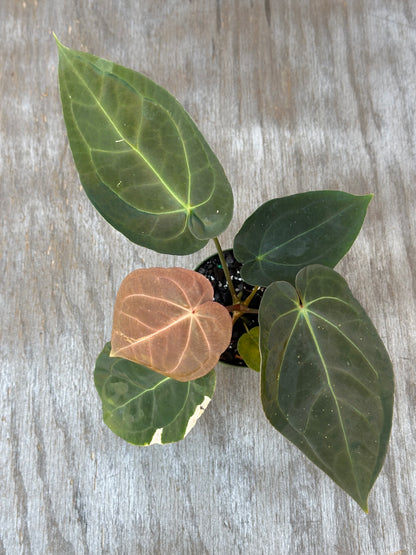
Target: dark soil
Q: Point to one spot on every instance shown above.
(212, 270)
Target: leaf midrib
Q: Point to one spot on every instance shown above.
(154, 334)
(260, 257)
(328, 379)
(304, 313)
(139, 395)
(186, 207)
(285, 416)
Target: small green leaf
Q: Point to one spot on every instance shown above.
(286, 234)
(248, 347)
(141, 159)
(144, 407)
(327, 380)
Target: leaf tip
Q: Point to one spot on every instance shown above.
(58, 42)
(61, 47)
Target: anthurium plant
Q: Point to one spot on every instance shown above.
(326, 378)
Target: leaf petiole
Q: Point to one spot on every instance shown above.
(247, 301)
(234, 296)
(242, 308)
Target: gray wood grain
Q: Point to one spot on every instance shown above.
(293, 96)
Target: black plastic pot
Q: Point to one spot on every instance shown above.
(211, 268)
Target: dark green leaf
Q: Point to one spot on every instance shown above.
(327, 381)
(248, 347)
(144, 407)
(141, 159)
(286, 234)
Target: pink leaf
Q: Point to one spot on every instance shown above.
(165, 319)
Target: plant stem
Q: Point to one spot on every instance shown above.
(242, 308)
(234, 297)
(250, 297)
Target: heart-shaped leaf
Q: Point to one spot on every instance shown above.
(141, 159)
(248, 347)
(166, 320)
(286, 234)
(144, 407)
(327, 381)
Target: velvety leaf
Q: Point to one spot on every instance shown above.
(248, 347)
(141, 159)
(144, 407)
(327, 381)
(286, 234)
(165, 319)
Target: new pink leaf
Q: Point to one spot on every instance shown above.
(165, 319)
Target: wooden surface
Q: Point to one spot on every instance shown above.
(293, 95)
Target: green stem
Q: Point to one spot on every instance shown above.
(250, 297)
(234, 297)
(245, 325)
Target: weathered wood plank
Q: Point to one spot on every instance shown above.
(293, 96)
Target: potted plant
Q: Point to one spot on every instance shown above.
(326, 378)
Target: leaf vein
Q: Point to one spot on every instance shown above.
(309, 230)
(341, 422)
(141, 155)
(138, 396)
(346, 338)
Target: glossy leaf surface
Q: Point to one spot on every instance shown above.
(327, 381)
(141, 159)
(166, 320)
(248, 347)
(144, 407)
(286, 234)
